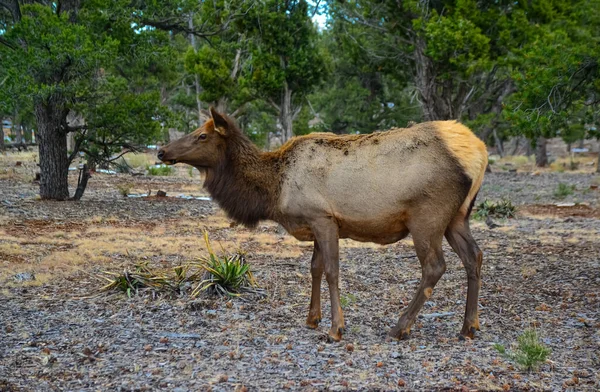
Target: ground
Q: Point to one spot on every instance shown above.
(59, 332)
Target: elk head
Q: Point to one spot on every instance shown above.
(205, 147)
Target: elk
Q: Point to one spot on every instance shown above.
(377, 187)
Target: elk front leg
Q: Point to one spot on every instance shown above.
(326, 235)
(316, 270)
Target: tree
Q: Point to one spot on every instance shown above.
(451, 51)
(360, 94)
(285, 64)
(69, 57)
(557, 75)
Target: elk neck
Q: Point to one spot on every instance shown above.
(246, 183)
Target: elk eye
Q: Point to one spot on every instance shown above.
(203, 136)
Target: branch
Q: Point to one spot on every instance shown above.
(238, 110)
(13, 7)
(76, 148)
(118, 156)
(272, 103)
(7, 43)
(236, 63)
(296, 112)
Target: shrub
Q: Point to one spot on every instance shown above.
(124, 189)
(530, 352)
(563, 190)
(222, 275)
(225, 275)
(161, 170)
(503, 209)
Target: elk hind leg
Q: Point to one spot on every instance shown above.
(460, 239)
(433, 266)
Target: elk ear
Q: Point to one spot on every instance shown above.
(221, 124)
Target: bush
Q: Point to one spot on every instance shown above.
(222, 275)
(161, 170)
(503, 209)
(124, 189)
(564, 190)
(530, 352)
(225, 275)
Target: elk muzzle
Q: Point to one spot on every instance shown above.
(162, 156)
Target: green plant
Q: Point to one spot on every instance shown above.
(563, 190)
(503, 209)
(125, 189)
(491, 161)
(225, 275)
(130, 282)
(529, 353)
(191, 171)
(222, 275)
(347, 300)
(161, 170)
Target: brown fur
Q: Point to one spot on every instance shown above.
(379, 187)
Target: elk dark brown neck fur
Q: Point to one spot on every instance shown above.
(246, 182)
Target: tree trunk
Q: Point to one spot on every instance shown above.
(598, 164)
(541, 157)
(286, 114)
(499, 145)
(84, 176)
(201, 117)
(54, 166)
(1, 133)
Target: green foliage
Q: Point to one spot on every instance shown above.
(530, 352)
(161, 170)
(225, 275)
(563, 190)
(504, 209)
(347, 300)
(125, 189)
(222, 275)
(557, 74)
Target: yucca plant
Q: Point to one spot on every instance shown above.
(224, 275)
(130, 282)
(503, 209)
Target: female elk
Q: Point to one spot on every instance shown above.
(377, 188)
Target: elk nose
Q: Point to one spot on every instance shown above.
(161, 154)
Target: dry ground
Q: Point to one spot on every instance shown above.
(541, 270)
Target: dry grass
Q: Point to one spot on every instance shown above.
(581, 164)
(140, 160)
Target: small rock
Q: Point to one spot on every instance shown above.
(396, 354)
(161, 194)
(350, 347)
(401, 382)
(24, 276)
(223, 378)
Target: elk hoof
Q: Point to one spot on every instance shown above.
(398, 334)
(335, 334)
(469, 333)
(313, 324)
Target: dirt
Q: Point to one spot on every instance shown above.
(541, 270)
